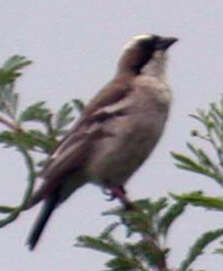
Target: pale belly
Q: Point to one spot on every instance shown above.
(114, 159)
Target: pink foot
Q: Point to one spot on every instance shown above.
(118, 192)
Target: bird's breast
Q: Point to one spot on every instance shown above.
(155, 91)
(134, 136)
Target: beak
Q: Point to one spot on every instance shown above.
(165, 43)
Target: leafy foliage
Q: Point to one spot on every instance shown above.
(108, 245)
(197, 249)
(144, 220)
(212, 122)
(36, 112)
(42, 140)
(206, 163)
(219, 250)
(78, 104)
(11, 69)
(8, 74)
(198, 199)
(64, 116)
(172, 213)
(8, 101)
(17, 139)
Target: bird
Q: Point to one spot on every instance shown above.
(116, 132)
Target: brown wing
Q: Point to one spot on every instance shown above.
(74, 149)
(67, 154)
(110, 94)
(71, 151)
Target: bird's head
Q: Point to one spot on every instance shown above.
(143, 49)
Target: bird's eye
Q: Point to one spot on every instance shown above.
(148, 43)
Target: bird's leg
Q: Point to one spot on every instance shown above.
(114, 192)
(118, 192)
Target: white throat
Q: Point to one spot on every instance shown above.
(156, 67)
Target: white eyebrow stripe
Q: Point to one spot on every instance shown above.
(142, 36)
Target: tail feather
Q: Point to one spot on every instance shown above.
(48, 208)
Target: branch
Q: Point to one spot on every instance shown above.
(162, 263)
(13, 126)
(31, 178)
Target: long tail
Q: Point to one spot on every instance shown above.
(47, 209)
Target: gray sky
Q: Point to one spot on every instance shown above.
(75, 46)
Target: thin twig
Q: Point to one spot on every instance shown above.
(161, 264)
(13, 126)
(18, 129)
(31, 178)
(147, 238)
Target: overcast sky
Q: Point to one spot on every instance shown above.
(75, 46)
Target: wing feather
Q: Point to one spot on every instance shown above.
(74, 149)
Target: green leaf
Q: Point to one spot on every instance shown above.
(142, 205)
(36, 112)
(122, 264)
(197, 199)
(159, 205)
(108, 230)
(215, 111)
(10, 70)
(138, 222)
(197, 117)
(187, 163)
(16, 62)
(28, 140)
(43, 141)
(219, 251)
(110, 247)
(142, 219)
(17, 139)
(8, 74)
(117, 211)
(7, 77)
(202, 156)
(78, 104)
(150, 253)
(8, 101)
(198, 247)
(64, 116)
(170, 216)
(205, 160)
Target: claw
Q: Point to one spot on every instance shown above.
(111, 198)
(118, 192)
(106, 191)
(109, 193)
